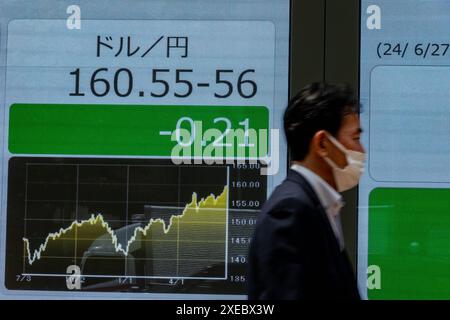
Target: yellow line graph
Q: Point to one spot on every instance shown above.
(188, 227)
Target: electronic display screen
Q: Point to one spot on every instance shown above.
(115, 117)
(404, 198)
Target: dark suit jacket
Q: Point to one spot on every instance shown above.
(294, 253)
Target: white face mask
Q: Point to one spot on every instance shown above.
(348, 177)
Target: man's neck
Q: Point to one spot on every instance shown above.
(324, 174)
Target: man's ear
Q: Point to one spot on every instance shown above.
(319, 143)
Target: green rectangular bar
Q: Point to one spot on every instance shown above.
(134, 130)
(409, 239)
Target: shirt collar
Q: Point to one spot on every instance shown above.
(330, 199)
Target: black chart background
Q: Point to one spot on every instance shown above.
(105, 179)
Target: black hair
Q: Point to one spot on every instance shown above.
(318, 106)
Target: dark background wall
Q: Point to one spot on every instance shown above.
(325, 47)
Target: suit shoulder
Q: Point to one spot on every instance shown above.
(288, 197)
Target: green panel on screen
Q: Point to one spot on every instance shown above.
(409, 239)
(135, 130)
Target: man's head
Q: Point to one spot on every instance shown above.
(316, 115)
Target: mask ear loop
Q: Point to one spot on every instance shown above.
(360, 156)
(336, 143)
(331, 163)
